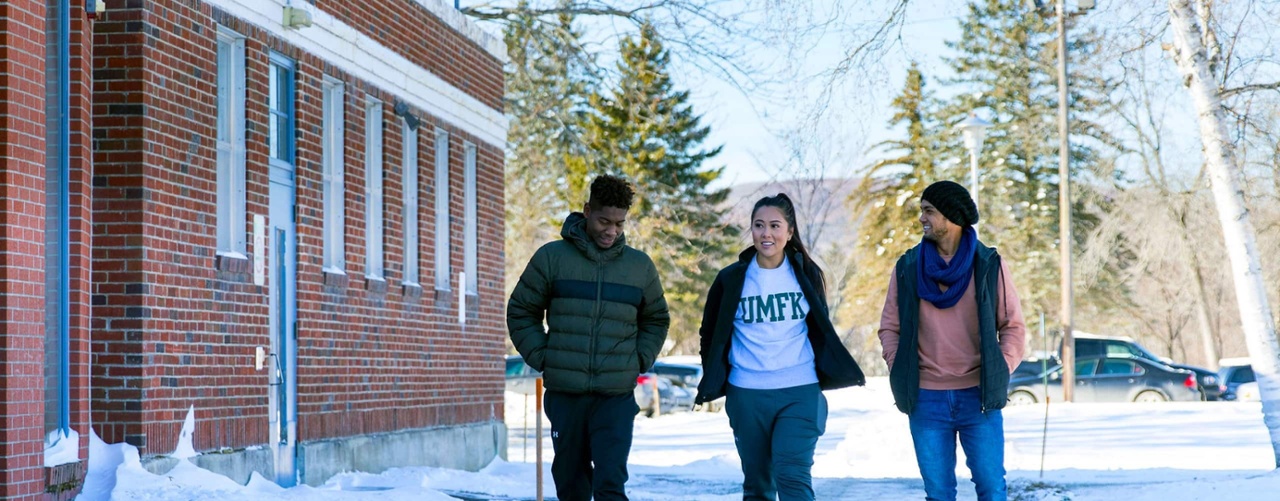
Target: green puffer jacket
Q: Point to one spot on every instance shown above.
(605, 313)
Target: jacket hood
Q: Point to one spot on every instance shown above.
(574, 231)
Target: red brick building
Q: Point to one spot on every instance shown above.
(313, 188)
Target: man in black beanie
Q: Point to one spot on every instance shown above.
(950, 349)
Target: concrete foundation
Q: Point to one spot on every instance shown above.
(236, 465)
(468, 447)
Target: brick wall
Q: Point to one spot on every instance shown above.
(80, 185)
(22, 262)
(22, 160)
(178, 326)
(118, 283)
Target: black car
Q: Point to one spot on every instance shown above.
(1088, 345)
(1230, 378)
(1093, 345)
(1114, 378)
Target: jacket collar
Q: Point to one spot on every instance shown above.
(574, 231)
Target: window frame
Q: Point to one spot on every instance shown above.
(286, 114)
(470, 237)
(333, 174)
(231, 151)
(375, 229)
(442, 241)
(409, 141)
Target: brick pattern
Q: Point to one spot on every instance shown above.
(119, 288)
(80, 185)
(22, 260)
(63, 482)
(22, 159)
(175, 329)
(411, 30)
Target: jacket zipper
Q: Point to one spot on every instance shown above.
(980, 286)
(595, 329)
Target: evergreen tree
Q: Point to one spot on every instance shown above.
(547, 90)
(646, 130)
(889, 195)
(1007, 65)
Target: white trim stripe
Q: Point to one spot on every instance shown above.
(364, 58)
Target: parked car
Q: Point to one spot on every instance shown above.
(520, 377)
(673, 396)
(1088, 345)
(1093, 345)
(1248, 392)
(1114, 378)
(1034, 367)
(1232, 376)
(686, 371)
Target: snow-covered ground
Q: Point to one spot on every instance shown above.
(1176, 451)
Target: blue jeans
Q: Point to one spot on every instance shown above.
(937, 419)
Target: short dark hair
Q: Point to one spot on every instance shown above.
(611, 191)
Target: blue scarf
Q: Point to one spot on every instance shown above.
(934, 271)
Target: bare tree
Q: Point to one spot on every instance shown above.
(1145, 117)
(1200, 57)
(723, 39)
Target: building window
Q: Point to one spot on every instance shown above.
(442, 210)
(373, 190)
(280, 123)
(410, 135)
(334, 178)
(470, 264)
(231, 150)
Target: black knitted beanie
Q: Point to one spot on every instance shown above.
(953, 201)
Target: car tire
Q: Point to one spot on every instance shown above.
(1148, 396)
(1021, 397)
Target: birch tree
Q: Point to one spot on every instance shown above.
(1198, 55)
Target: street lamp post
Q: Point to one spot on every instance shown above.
(974, 130)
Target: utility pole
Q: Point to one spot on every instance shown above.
(1064, 213)
(1064, 200)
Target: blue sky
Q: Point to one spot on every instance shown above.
(858, 117)
(749, 125)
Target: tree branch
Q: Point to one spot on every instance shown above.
(1225, 93)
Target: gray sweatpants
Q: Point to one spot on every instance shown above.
(776, 432)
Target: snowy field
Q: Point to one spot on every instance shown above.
(1165, 452)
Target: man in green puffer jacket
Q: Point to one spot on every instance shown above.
(606, 320)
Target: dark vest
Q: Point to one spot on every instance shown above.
(904, 376)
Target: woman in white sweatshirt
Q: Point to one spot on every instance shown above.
(769, 347)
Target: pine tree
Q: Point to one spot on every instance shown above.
(888, 196)
(1007, 64)
(547, 90)
(647, 131)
